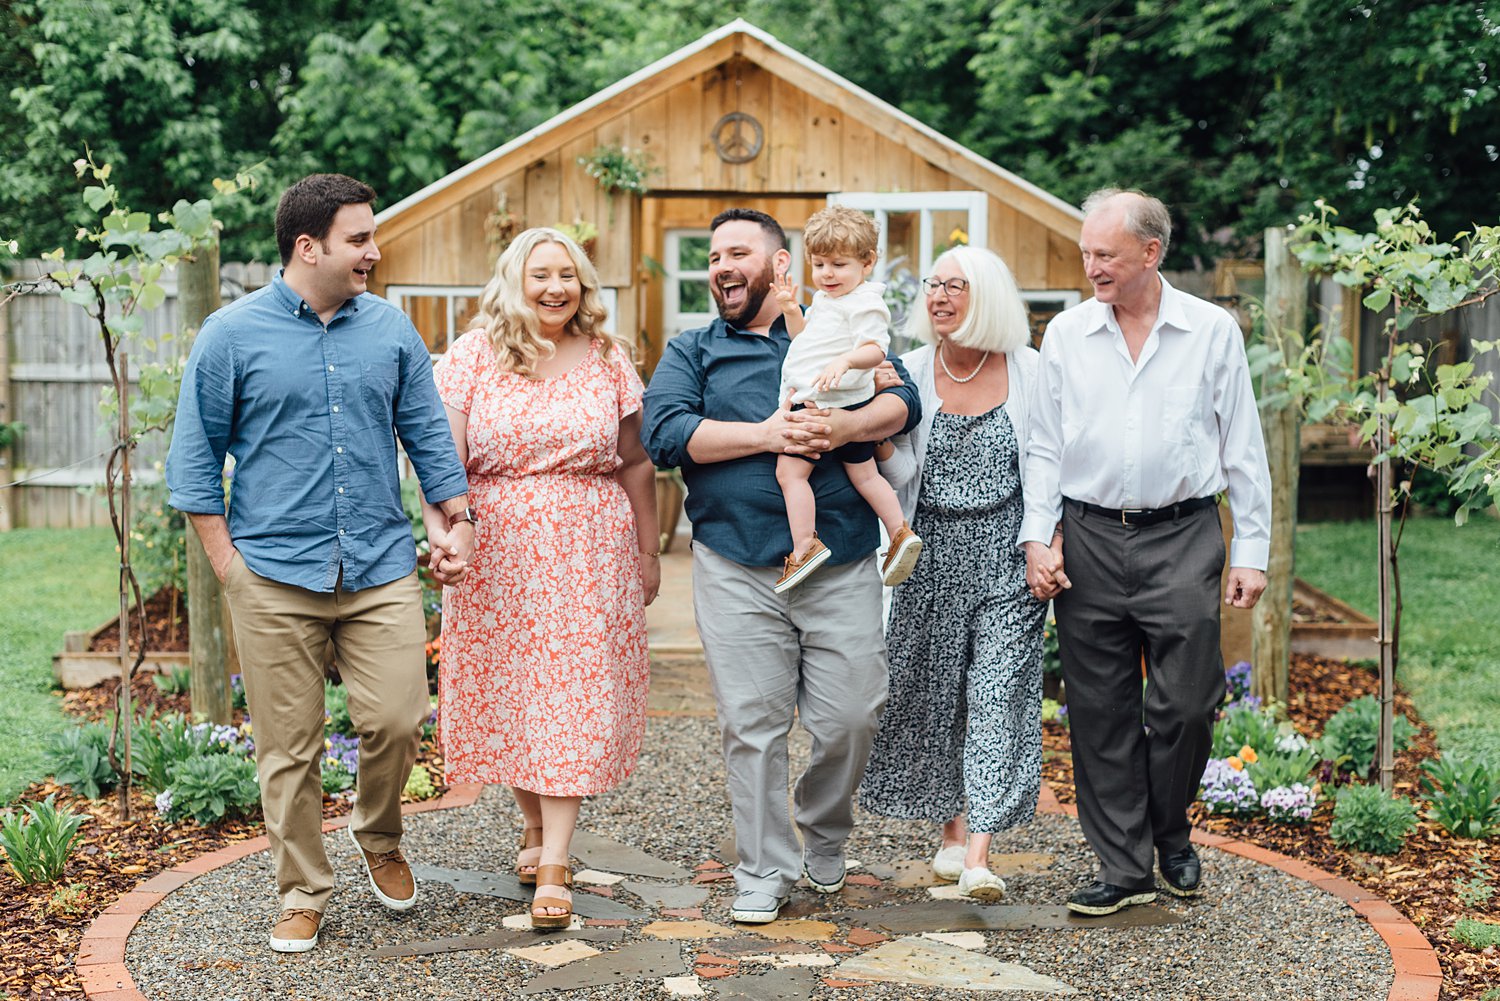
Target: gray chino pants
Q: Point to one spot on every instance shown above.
(1139, 751)
(817, 651)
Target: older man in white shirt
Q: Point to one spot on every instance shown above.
(1144, 413)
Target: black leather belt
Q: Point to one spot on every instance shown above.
(1147, 516)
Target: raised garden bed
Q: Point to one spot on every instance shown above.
(91, 656)
(1323, 626)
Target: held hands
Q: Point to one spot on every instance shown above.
(450, 553)
(1244, 586)
(1045, 577)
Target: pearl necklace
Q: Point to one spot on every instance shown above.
(968, 378)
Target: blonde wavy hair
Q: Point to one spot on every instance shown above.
(511, 324)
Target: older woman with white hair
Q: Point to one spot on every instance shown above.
(960, 742)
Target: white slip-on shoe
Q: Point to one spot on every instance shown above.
(981, 884)
(948, 863)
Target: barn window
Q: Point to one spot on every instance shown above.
(1041, 307)
(686, 301)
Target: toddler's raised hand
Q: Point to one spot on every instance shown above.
(786, 293)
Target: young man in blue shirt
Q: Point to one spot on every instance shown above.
(818, 650)
(308, 383)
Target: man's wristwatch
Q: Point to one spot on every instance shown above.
(467, 514)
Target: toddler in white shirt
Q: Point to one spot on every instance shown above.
(835, 349)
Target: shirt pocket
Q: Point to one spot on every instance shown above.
(1179, 415)
(377, 388)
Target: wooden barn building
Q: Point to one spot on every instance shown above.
(735, 118)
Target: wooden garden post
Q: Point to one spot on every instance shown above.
(1271, 622)
(197, 297)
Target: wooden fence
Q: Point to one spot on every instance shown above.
(52, 377)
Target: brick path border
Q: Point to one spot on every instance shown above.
(1418, 975)
(101, 953)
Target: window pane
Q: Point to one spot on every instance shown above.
(464, 309)
(429, 314)
(950, 228)
(692, 253)
(693, 297)
(903, 242)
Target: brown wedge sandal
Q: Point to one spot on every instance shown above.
(552, 875)
(526, 871)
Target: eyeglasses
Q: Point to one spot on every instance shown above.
(953, 286)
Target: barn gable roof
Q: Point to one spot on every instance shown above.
(737, 38)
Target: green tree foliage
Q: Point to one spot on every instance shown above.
(1240, 113)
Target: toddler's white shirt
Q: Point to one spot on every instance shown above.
(833, 327)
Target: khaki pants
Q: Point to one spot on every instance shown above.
(283, 634)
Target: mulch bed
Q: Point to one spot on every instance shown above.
(1421, 881)
(166, 625)
(44, 924)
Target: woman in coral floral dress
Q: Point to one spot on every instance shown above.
(544, 670)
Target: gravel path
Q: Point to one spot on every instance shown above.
(1256, 933)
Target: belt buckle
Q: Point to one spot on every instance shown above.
(1125, 511)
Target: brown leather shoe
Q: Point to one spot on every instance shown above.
(390, 876)
(901, 559)
(558, 877)
(296, 930)
(798, 568)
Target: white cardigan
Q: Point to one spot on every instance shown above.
(904, 468)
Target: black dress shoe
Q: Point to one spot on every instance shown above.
(1182, 872)
(1105, 898)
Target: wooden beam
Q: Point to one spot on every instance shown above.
(197, 297)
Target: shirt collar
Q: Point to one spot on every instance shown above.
(298, 306)
(723, 328)
(1169, 313)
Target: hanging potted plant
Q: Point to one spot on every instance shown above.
(618, 170)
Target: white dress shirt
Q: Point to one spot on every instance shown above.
(1178, 423)
(834, 327)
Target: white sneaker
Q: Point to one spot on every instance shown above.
(981, 884)
(948, 863)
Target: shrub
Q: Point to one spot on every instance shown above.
(1350, 734)
(237, 691)
(336, 708)
(1275, 769)
(1243, 724)
(419, 784)
(1227, 789)
(209, 788)
(38, 847)
(1477, 934)
(1475, 891)
(1367, 818)
(1049, 710)
(170, 739)
(336, 778)
(67, 901)
(1465, 796)
(79, 757)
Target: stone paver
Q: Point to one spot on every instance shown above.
(925, 963)
(796, 930)
(555, 953)
(686, 930)
(637, 961)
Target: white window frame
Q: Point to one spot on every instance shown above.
(672, 318)
(398, 294)
(882, 203)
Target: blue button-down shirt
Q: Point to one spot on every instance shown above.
(310, 414)
(724, 374)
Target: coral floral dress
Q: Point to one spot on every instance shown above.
(544, 670)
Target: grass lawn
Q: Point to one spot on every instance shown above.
(1450, 627)
(54, 580)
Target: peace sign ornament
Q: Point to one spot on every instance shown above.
(737, 137)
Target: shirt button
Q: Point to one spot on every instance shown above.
(341, 531)
(340, 450)
(335, 408)
(341, 489)
(330, 368)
